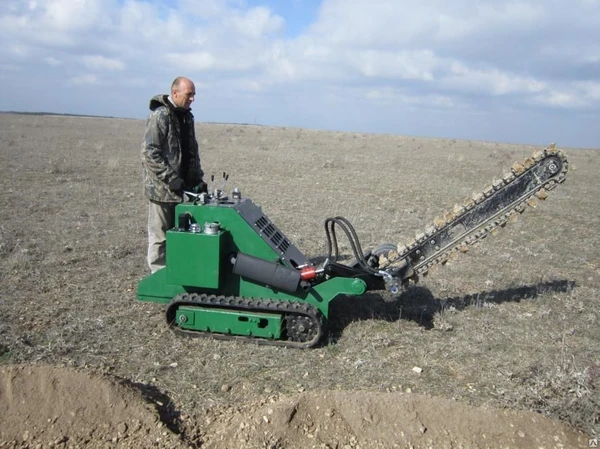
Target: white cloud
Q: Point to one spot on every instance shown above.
(402, 64)
(52, 61)
(6, 68)
(590, 89)
(390, 95)
(84, 79)
(204, 9)
(20, 50)
(249, 86)
(492, 81)
(140, 23)
(559, 99)
(577, 95)
(196, 61)
(365, 22)
(256, 22)
(74, 14)
(279, 65)
(58, 23)
(102, 62)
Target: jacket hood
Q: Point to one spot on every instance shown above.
(158, 101)
(163, 100)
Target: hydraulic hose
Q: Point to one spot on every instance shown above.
(333, 247)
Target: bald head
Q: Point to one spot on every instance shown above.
(183, 92)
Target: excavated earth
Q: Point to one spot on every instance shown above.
(46, 406)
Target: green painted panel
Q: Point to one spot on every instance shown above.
(264, 325)
(154, 288)
(242, 236)
(194, 259)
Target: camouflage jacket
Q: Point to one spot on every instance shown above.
(163, 152)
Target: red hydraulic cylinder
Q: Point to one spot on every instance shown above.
(308, 273)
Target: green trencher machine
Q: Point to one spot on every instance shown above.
(231, 273)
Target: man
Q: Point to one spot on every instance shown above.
(170, 161)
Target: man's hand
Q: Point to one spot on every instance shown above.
(202, 187)
(176, 185)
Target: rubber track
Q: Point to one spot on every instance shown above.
(488, 225)
(249, 305)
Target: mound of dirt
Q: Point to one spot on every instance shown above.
(45, 406)
(366, 420)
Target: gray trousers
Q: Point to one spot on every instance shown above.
(161, 218)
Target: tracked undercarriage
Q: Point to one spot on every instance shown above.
(232, 274)
(302, 323)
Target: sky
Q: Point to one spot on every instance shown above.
(519, 71)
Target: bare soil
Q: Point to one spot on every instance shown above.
(504, 338)
(58, 406)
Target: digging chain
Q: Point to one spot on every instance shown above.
(481, 214)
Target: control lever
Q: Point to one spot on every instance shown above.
(224, 183)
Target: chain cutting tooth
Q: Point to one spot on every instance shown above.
(538, 155)
(542, 194)
(439, 222)
(518, 168)
(513, 218)
(508, 177)
(478, 197)
(430, 231)
(528, 163)
(458, 209)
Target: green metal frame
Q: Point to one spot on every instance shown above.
(232, 322)
(200, 263)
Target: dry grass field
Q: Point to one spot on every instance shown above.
(506, 336)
